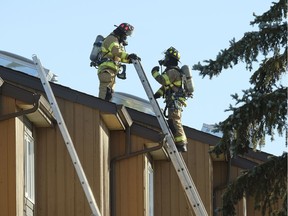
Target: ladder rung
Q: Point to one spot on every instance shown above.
(176, 158)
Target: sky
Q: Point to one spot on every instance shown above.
(61, 33)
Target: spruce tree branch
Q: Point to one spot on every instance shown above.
(248, 125)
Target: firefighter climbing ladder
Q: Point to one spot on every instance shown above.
(177, 159)
(66, 137)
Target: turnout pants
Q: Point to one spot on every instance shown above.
(107, 79)
(175, 124)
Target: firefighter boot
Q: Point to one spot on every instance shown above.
(181, 148)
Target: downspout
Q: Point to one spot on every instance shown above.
(128, 154)
(36, 103)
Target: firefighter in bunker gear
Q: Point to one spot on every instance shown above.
(113, 52)
(172, 92)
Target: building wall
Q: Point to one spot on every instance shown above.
(58, 189)
(170, 198)
(130, 173)
(11, 161)
(19, 159)
(221, 175)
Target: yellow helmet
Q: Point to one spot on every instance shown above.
(172, 52)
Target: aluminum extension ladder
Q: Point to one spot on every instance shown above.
(176, 158)
(66, 137)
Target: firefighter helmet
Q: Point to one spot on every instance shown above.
(172, 52)
(126, 28)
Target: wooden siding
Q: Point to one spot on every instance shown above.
(129, 176)
(11, 161)
(19, 154)
(221, 172)
(220, 180)
(58, 190)
(169, 196)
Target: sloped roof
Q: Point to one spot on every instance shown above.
(143, 121)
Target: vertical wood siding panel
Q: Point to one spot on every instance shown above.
(175, 198)
(140, 184)
(99, 153)
(173, 195)
(4, 168)
(124, 178)
(60, 174)
(157, 188)
(117, 149)
(184, 207)
(87, 143)
(41, 171)
(9, 171)
(165, 189)
(51, 171)
(219, 180)
(105, 181)
(207, 187)
(132, 185)
(11, 168)
(70, 173)
(78, 136)
(202, 181)
(191, 162)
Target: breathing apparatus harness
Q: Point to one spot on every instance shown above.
(97, 57)
(175, 96)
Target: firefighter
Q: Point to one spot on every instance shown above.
(113, 53)
(172, 91)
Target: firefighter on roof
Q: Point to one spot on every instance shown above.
(172, 91)
(113, 53)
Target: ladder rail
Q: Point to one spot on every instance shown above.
(66, 136)
(176, 158)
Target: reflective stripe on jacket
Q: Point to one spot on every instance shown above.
(114, 52)
(171, 81)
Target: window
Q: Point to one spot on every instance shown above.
(150, 191)
(29, 165)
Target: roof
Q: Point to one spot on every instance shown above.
(144, 122)
(22, 64)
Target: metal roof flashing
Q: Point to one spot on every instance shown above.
(133, 102)
(25, 65)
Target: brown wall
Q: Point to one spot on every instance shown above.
(11, 161)
(169, 195)
(220, 174)
(58, 190)
(129, 175)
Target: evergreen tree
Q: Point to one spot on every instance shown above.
(260, 112)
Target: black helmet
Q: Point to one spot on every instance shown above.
(125, 28)
(172, 52)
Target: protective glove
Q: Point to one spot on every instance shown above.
(121, 75)
(92, 64)
(133, 56)
(156, 68)
(157, 95)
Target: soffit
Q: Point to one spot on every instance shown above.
(118, 120)
(43, 116)
(29, 103)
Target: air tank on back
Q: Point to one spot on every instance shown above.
(188, 80)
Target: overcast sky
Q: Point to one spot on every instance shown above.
(61, 34)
